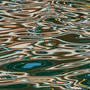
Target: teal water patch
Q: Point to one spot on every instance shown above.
(15, 86)
(85, 66)
(85, 79)
(50, 73)
(85, 40)
(1, 1)
(87, 76)
(31, 65)
(27, 65)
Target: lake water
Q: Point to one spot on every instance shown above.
(44, 44)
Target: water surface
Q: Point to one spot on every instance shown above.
(44, 45)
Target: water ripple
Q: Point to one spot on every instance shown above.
(44, 44)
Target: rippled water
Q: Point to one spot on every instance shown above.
(44, 45)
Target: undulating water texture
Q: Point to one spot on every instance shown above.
(44, 44)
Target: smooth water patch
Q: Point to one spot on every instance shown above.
(50, 73)
(31, 65)
(14, 86)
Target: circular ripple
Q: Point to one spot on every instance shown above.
(27, 65)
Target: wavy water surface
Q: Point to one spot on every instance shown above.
(44, 45)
